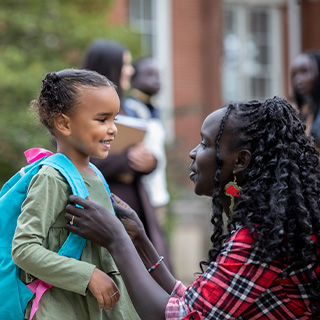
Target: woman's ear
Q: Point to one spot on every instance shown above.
(242, 161)
(62, 124)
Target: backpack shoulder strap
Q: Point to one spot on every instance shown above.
(74, 244)
(62, 163)
(100, 175)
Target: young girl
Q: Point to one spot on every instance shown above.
(78, 108)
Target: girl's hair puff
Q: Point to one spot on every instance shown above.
(59, 93)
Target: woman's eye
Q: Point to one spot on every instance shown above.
(203, 144)
(102, 120)
(115, 119)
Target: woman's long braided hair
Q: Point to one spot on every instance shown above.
(280, 199)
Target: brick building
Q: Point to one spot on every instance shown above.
(214, 51)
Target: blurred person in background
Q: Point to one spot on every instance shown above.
(124, 171)
(305, 80)
(141, 103)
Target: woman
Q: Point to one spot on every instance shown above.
(112, 60)
(263, 171)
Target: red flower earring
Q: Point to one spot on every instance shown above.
(232, 190)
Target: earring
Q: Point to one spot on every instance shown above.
(232, 190)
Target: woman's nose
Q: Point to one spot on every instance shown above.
(192, 153)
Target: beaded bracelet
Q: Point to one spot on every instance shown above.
(155, 265)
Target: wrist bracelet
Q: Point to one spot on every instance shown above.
(155, 265)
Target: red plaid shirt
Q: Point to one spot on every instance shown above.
(239, 286)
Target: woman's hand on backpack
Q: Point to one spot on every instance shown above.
(93, 222)
(129, 219)
(97, 224)
(104, 289)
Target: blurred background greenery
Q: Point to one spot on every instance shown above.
(37, 37)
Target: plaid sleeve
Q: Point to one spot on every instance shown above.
(228, 287)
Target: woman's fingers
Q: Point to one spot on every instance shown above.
(119, 202)
(116, 198)
(73, 207)
(71, 218)
(74, 227)
(76, 200)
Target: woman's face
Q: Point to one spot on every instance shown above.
(126, 71)
(203, 166)
(303, 74)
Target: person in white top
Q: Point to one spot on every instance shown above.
(145, 85)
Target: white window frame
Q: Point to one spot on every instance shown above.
(240, 74)
(161, 49)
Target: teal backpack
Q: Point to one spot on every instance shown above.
(14, 294)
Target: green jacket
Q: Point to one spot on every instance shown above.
(39, 235)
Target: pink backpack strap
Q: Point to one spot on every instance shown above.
(38, 287)
(35, 154)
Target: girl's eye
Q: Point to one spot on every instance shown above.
(102, 120)
(115, 119)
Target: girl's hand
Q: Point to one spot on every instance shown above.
(104, 289)
(129, 218)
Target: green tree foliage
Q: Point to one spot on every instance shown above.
(36, 37)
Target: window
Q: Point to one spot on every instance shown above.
(252, 53)
(152, 19)
(142, 19)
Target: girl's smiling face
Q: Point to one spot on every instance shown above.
(91, 125)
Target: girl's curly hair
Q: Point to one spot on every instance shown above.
(280, 199)
(59, 92)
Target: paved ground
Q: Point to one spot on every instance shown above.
(190, 239)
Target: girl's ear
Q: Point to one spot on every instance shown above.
(62, 124)
(242, 161)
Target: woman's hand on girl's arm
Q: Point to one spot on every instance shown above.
(104, 289)
(129, 219)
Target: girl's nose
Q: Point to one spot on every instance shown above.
(113, 130)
